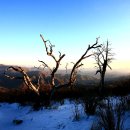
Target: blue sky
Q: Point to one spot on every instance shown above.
(70, 24)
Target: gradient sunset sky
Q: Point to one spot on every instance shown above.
(69, 24)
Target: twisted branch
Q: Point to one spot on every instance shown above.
(79, 64)
(57, 61)
(25, 78)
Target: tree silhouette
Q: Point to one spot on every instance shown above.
(103, 57)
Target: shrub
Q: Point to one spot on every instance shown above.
(110, 116)
(76, 111)
(90, 105)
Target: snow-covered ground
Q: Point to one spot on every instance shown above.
(58, 117)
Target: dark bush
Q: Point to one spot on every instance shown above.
(90, 105)
(110, 116)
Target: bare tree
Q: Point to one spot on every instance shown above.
(49, 51)
(66, 67)
(78, 64)
(103, 57)
(25, 78)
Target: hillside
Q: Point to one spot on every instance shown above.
(33, 74)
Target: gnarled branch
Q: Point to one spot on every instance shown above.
(25, 78)
(78, 63)
(57, 61)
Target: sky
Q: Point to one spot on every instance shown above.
(69, 24)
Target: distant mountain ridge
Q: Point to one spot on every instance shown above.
(33, 74)
(61, 78)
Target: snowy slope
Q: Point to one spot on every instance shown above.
(58, 117)
(46, 119)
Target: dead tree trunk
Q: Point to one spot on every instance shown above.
(103, 57)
